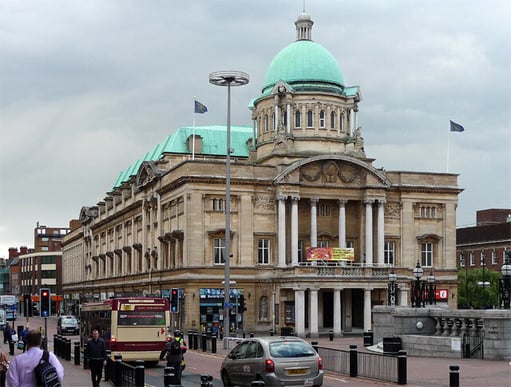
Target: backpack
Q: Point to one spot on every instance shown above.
(45, 373)
(175, 348)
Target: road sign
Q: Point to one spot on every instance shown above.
(227, 305)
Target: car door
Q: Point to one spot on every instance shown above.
(237, 368)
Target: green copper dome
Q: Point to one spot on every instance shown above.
(304, 63)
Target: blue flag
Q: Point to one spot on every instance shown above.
(200, 108)
(456, 127)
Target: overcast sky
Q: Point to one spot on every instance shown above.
(88, 87)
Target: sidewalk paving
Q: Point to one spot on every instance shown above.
(422, 371)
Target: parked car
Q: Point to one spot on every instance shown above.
(278, 361)
(68, 324)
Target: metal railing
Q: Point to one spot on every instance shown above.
(370, 365)
(121, 374)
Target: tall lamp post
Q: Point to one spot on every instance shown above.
(417, 287)
(228, 78)
(484, 284)
(505, 283)
(392, 288)
(431, 288)
(467, 298)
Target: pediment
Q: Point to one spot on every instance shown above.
(332, 170)
(147, 173)
(281, 87)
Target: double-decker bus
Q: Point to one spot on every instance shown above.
(137, 328)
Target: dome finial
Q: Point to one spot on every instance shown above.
(304, 26)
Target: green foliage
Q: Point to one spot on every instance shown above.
(473, 295)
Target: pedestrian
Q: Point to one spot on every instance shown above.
(21, 371)
(174, 355)
(4, 366)
(7, 331)
(24, 338)
(95, 354)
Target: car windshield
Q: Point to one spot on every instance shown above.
(291, 349)
(70, 320)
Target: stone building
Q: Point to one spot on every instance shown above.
(302, 187)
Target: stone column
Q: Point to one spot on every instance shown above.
(300, 312)
(381, 232)
(342, 222)
(294, 230)
(277, 112)
(313, 313)
(289, 116)
(367, 310)
(337, 313)
(369, 231)
(282, 231)
(314, 222)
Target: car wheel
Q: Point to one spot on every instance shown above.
(225, 379)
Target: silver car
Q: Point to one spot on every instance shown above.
(278, 361)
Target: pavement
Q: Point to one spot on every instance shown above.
(422, 371)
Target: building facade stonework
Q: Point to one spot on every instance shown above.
(300, 178)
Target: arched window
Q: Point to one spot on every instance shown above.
(298, 119)
(310, 119)
(322, 119)
(332, 120)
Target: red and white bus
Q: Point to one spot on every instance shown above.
(137, 328)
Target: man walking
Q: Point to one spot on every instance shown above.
(95, 353)
(21, 371)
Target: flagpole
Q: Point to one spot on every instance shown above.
(448, 149)
(193, 131)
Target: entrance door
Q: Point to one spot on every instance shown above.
(328, 309)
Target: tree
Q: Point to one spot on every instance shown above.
(478, 297)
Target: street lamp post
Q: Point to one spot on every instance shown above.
(505, 283)
(392, 288)
(467, 298)
(417, 287)
(431, 288)
(484, 284)
(227, 78)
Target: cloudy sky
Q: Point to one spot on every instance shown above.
(88, 87)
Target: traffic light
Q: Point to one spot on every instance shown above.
(174, 300)
(45, 300)
(241, 307)
(27, 305)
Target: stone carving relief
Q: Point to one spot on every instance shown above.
(333, 172)
(392, 210)
(264, 203)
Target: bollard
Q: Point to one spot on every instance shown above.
(204, 343)
(77, 353)
(213, 344)
(251, 334)
(170, 377)
(139, 373)
(55, 345)
(68, 350)
(331, 335)
(401, 367)
(314, 345)
(117, 370)
(109, 366)
(353, 361)
(244, 334)
(454, 376)
(206, 381)
(195, 340)
(85, 361)
(272, 332)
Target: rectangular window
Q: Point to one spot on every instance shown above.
(389, 251)
(301, 257)
(219, 250)
(332, 120)
(322, 243)
(427, 254)
(218, 204)
(324, 210)
(263, 252)
(494, 258)
(472, 259)
(321, 119)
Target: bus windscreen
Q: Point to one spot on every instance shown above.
(141, 318)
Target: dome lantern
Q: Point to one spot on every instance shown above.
(304, 27)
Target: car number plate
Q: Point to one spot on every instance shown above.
(297, 371)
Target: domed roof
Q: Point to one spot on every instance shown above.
(303, 61)
(304, 64)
